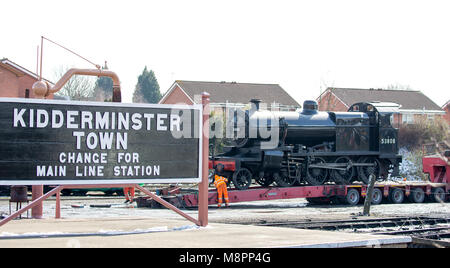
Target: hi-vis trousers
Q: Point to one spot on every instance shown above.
(222, 191)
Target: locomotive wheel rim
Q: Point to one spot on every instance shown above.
(364, 172)
(343, 177)
(242, 179)
(284, 181)
(317, 176)
(264, 181)
(240, 142)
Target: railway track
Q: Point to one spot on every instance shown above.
(425, 231)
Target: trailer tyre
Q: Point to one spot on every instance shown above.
(352, 197)
(396, 196)
(417, 195)
(377, 196)
(438, 195)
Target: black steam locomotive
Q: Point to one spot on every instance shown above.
(311, 147)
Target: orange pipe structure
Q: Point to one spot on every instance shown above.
(43, 89)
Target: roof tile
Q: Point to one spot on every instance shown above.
(408, 99)
(232, 92)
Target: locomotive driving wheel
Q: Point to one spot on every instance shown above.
(284, 180)
(365, 171)
(236, 142)
(264, 179)
(242, 179)
(345, 170)
(316, 175)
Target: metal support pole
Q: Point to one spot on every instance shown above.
(369, 195)
(37, 192)
(167, 204)
(58, 205)
(34, 203)
(203, 186)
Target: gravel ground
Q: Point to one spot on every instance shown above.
(274, 210)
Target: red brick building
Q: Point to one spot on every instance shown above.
(16, 81)
(446, 108)
(230, 94)
(414, 105)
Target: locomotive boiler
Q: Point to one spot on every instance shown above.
(310, 146)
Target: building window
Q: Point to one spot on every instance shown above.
(27, 93)
(430, 117)
(407, 118)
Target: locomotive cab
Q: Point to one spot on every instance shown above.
(384, 137)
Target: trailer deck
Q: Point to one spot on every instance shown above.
(393, 192)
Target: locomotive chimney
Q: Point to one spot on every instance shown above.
(310, 107)
(256, 102)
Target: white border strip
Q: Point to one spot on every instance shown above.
(104, 104)
(94, 182)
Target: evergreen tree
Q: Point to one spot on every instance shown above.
(147, 88)
(103, 89)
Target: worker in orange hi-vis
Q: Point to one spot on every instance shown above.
(129, 194)
(221, 185)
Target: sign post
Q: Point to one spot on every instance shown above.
(203, 186)
(37, 191)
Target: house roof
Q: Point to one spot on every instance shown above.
(408, 99)
(232, 92)
(446, 104)
(18, 70)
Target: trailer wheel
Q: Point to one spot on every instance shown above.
(438, 195)
(417, 195)
(352, 197)
(377, 196)
(396, 196)
(242, 179)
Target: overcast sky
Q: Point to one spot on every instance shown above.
(302, 45)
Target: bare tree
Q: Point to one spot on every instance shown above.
(326, 84)
(79, 88)
(398, 86)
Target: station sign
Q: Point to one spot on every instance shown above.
(49, 142)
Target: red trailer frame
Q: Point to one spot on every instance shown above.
(393, 192)
(436, 190)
